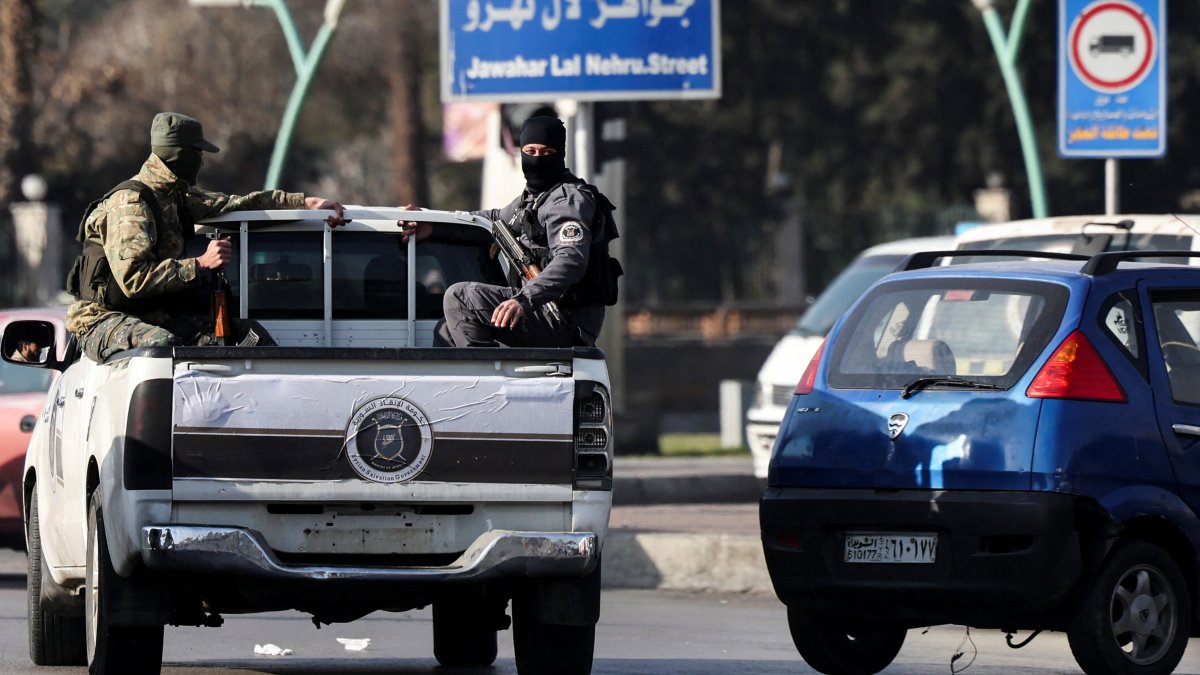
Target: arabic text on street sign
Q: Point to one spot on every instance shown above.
(1112, 78)
(513, 50)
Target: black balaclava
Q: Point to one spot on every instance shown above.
(543, 173)
(185, 163)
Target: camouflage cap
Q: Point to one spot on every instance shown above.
(178, 131)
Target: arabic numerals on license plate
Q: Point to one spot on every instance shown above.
(890, 548)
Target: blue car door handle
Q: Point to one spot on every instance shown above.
(1189, 429)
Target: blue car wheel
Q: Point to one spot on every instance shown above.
(841, 646)
(1135, 620)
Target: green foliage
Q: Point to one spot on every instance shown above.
(889, 115)
(885, 118)
(696, 445)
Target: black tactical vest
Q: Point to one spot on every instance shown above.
(599, 283)
(91, 277)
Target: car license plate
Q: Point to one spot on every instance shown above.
(890, 547)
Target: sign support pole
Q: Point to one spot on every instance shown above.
(1112, 84)
(1112, 187)
(584, 116)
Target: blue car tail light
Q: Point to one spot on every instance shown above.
(1076, 371)
(809, 379)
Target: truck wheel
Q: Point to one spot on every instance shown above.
(112, 649)
(463, 636)
(550, 649)
(1136, 618)
(838, 646)
(54, 639)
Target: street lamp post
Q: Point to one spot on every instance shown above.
(1006, 53)
(38, 232)
(304, 62)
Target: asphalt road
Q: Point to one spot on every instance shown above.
(641, 632)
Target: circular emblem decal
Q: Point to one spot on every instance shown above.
(571, 233)
(389, 440)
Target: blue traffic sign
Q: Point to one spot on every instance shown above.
(536, 50)
(1112, 78)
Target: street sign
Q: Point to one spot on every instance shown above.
(587, 50)
(1112, 78)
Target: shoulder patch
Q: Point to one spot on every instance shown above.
(571, 233)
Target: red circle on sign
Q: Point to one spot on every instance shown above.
(1147, 34)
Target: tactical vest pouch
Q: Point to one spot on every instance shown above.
(87, 275)
(599, 283)
(90, 277)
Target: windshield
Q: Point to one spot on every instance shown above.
(16, 379)
(984, 330)
(842, 292)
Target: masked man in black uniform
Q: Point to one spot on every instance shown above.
(566, 224)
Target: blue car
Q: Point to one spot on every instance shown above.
(1011, 444)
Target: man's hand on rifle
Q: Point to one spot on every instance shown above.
(219, 252)
(409, 228)
(508, 314)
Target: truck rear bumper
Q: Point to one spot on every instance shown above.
(495, 554)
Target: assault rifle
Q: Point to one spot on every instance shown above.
(219, 307)
(520, 257)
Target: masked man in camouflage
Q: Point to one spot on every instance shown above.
(134, 288)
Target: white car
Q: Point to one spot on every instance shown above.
(1089, 234)
(778, 376)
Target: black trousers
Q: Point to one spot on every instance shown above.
(468, 306)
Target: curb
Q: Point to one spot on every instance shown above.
(687, 562)
(684, 480)
(686, 489)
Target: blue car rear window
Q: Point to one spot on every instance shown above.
(987, 330)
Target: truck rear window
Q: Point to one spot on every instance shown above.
(286, 274)
(988, 330)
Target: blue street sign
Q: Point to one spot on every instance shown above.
(1112, 78)
(536, 50)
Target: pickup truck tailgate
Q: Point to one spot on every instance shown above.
(359, 422)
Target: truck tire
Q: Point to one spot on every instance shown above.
(112, 650)
(839, 646)
(54, 639)
(549, 649)
(1136, 617)
(463, 635)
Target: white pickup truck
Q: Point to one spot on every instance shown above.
(353, 467)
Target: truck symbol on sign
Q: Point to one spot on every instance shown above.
(1108, 44)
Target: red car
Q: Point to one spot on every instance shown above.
(22, 392)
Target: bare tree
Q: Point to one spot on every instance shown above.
(18, 44)
(404, 110)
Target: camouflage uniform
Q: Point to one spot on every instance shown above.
(145, 258)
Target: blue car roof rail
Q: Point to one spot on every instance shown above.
(923, 259)
(1104, 263)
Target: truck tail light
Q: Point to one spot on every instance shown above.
(593, 437)
(809, 379)
(1076, 371)
(147, 451)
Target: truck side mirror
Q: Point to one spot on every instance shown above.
(29, 343)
